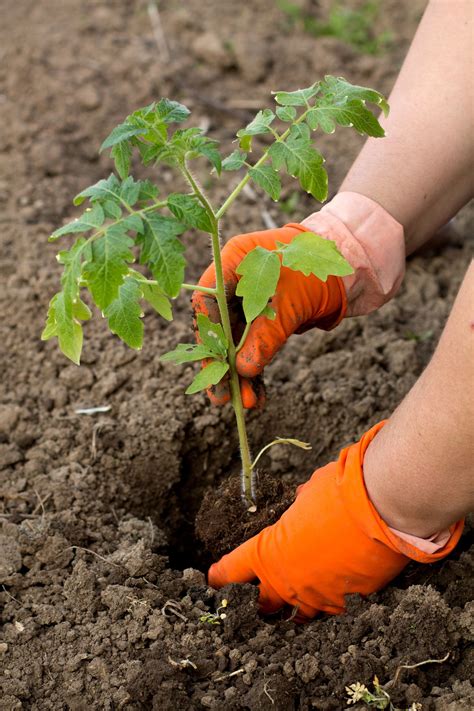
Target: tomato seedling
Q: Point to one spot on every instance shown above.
(128, 221)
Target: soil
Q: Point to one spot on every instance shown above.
(102, 578)
(223, 522)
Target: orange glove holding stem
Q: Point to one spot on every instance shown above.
(331, 542)
(366, 235)
(300, 303)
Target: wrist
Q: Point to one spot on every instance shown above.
(372, 242)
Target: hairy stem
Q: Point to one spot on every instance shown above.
(235, 394)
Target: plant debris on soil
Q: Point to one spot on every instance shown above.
(102, 582)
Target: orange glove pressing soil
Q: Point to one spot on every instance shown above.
(300, 303)
(331, 542)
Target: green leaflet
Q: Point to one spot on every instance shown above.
(210, 375)
(212, 335)
(260, 124)
(163, 252)
(268, 179)
(337, 89)
(353, 113)
(154, 295)
(187, 353)
(107, 265)
(234, 161)
(312, 254)
(91, 219)
(62, 322)
(72, 261)
(122, 156)
(189, 210)
(300, 97)
(185, 144)
(259, 270)
(269, 313)
(124, 314)
(301, 161)
(286, 113)
(171, 111)
(122, 132)
(102, 190)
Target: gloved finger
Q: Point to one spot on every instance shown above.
(235, 567)
(264, 340)
(252, 392)
(269, 601)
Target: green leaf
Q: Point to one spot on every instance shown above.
(300, 97)
(312, 254)
(163, 252)
(154, 295)
(133, 222)
(62, 323)
(268, 179)
(210, 375)
(130, 191)
(112, 209)
(122, 156)
(203, 146)
(122, 133)
(102, 190)
(91, 219)
(301, 161)
(186, 353)
(107, 266)
(124, 314)
(269, 313)
(157, 299)
(189, 210)
(81, 311)
(286, 113)
(212, 335)
(148, 191)
(353, 113)
(259, 270)
(72, 261)
(171, 111)
(260, 124)
(338, 89)
(235, 161)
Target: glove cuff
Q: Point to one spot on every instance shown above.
(371, 240)
(361, 509)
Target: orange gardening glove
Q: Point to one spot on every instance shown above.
(331, 542)
(300, 303)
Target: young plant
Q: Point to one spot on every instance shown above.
(128, 220)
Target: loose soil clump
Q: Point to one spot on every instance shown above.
(102, 582)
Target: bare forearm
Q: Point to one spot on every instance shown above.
(419, 468)
(421, 173)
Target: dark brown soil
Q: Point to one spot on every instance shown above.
(101, 596)
(223, 520)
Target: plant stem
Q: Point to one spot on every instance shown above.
(235, 395)
(198, 287)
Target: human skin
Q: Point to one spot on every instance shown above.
(422, 171)
(419, 469)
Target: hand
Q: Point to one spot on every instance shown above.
(300, 303)
(331, 542)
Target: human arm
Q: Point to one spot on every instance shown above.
(345, 533)
(421, 173)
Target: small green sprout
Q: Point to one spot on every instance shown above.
(378, 699)
(214, 618)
